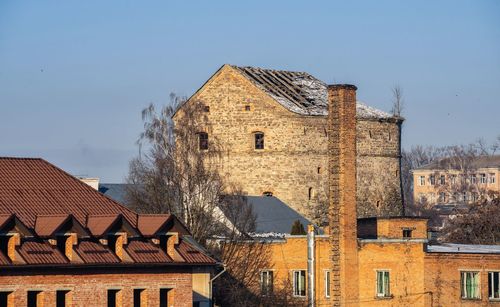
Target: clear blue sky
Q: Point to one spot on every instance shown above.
(74, 75)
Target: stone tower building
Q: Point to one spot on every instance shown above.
(272, 127)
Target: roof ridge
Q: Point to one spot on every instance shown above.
(277, 70)
(20, 158)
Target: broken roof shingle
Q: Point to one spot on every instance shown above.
(300, 92)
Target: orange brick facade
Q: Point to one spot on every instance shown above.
(89, 287)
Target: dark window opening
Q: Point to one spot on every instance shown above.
(268, 194)
(33, 297)
(206, 109)
(61, 296)
(319, 170)
(310, 193)
(138, 295)
(370, 134)
(4, 244)
(406, 233)
(259, 140)
(164, 297)
(203, 140)
(4, 298)
(378, 203)
(247, 108)
(112, 297)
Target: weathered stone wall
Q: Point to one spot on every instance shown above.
(293, 164)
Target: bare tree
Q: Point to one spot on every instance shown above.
(172, 174)
(479, 224)
(397, 103)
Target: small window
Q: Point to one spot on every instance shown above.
(492, 178)
(266, 282)
(6, 299)
(453, 179)
(494, 285)
(383, 284)
(442, 180)
(268, 194)
(206, 109)
(482, 178)
(442, 197)
(378, 203)
(247, 108)
(464, 197)
(406, 233)
(62, 298)
(432, 180)
(422, 180)
(203, 140)
(259, 140)
(114, 299)
(319, 170)
(473, 179)
(370, 134)
(164, 295)
(35, 298)
(299, 283)
(327, 284)
(139, 298)
(470, 285)
(310, 193)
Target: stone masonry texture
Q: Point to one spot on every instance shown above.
(294, 162)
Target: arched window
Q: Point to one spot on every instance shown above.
(310, 193)
(203, 140)
(259, 140)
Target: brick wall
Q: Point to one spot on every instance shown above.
(89, 287)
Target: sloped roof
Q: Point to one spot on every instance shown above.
(41, 198)
(300, 92)
(46, 225)
(149, 224)
(272, 215)
(32, 186)
(475, 163)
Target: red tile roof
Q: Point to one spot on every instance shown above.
(146, 252)
(31, 187)
(149, 224)
(46, 225)
(43, 197)
(41, 253)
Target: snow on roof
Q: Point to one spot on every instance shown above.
(300, 92)
(463, 248)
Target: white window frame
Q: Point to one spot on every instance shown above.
(442, 179)
(492, 179)
(473, 179)
(327, 283)
(482, 178)
(386, 287)
(432, 180)
(422, 180)
(493, 296)
(296, 292)
(463, 285)
(265, 274)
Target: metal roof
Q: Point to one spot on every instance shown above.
(463, 248)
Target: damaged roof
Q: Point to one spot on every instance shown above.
(300, 92)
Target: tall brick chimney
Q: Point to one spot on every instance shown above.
(342, 185)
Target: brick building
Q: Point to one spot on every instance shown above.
(272, 126)
(378, 261)
(62, 243)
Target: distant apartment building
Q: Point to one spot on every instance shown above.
(62, 243)
(447, 181)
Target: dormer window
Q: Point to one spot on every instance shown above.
(267, 193)
(259, 140)
(203, 140)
